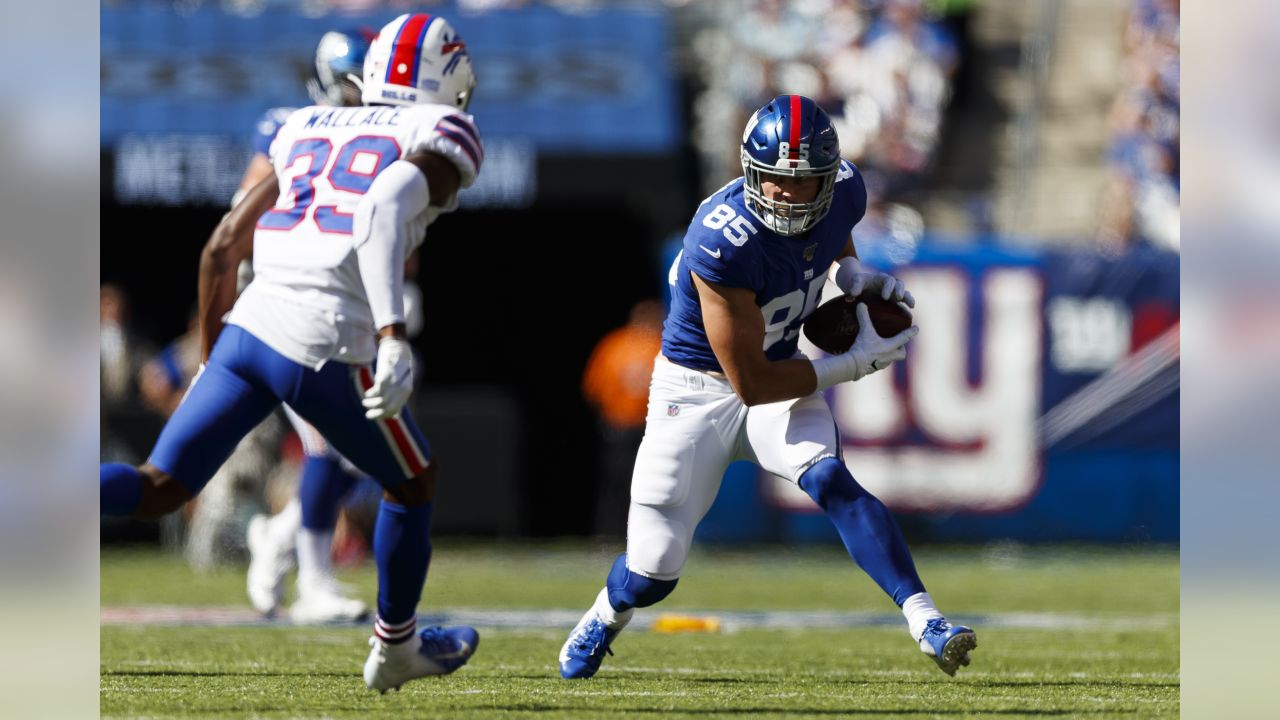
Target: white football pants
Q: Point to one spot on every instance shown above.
(696, 426)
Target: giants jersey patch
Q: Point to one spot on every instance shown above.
(727, 245)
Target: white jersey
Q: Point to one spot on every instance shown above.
(307, 301)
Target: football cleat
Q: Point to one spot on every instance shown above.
(268, 564)
(948, 644)
(433, 651)
(586, 647)
(322, 600)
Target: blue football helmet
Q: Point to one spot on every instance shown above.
(338, 67)
(789, 136)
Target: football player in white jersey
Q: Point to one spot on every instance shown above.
(354, 192)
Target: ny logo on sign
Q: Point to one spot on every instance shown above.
(953, 428)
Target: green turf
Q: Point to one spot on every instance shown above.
(559, 575)
(1112, 671)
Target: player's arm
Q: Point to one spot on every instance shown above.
(156, 390)
(381, 235)
(848, 275)
(382, 226)
(231, 242)
(735, 329)
(259, 168)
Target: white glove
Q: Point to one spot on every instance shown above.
(869, 353)
(853, 280)
(392, 379)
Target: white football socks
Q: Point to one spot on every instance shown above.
(283, 526)
(314, 553)
(919, 610)
(612, 618)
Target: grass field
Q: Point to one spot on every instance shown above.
(1069, 632)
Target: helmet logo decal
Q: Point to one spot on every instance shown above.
(456, 46)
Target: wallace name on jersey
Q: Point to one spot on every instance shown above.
(321, 117)
(307, 300)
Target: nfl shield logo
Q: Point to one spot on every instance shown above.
(809, 251)
(673, 410)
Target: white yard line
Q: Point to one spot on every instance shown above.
(565, 619)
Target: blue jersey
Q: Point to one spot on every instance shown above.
(264, 131)
(726, 245)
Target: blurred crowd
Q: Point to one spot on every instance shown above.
(318, 8)
(882, 69)
(1143, 196)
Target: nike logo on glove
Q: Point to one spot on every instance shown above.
(715, 254)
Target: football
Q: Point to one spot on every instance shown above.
(834, 325)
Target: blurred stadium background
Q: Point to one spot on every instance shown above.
(1023, 163)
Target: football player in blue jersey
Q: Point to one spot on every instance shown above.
(339, 61)
(730, 383)
(303, 530)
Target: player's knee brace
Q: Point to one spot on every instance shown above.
(829, 480)
(632, 590)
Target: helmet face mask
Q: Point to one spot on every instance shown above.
(339, 63)
(418, 59)
(790, 136)
(786, 218)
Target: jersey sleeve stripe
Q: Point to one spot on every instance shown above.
(461, 141)
(457, 123)
(464, 123)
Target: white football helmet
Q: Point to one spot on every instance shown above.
(418, 59)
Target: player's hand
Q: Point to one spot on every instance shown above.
(870, 352)
(885, 285)
(392, 379)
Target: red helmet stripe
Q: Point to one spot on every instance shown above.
(404, 50)
(794, 153)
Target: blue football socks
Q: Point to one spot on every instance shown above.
(402, 550)
(868, 529)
